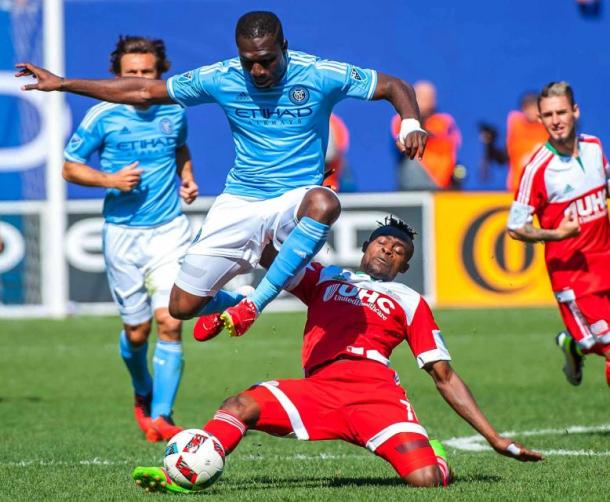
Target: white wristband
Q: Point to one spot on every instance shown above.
(407, 126)
(513, 449)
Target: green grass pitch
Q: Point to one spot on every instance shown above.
(67, 431)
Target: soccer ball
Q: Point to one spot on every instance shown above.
(194, 459)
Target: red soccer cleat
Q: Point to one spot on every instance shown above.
(239, 318)
(162, 429)
(141, 411)
(608, 372)
(207, 327)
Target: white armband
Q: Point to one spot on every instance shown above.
(513, 449)
(407, 126)
(519, 216)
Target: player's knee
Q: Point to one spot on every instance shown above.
(137, 334)
(184, 306)
(425, 477)
(322, 205)
(169, 328)
(243, 407)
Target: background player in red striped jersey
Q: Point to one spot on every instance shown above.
(565, 185)
(354, 321)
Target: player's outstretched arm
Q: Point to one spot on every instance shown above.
(130, 91)
(411, 138)
(458, 395)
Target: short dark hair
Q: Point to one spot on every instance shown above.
(139, 45)
(528, 98)
(557, 89)
(259, 23)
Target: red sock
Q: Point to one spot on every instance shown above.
(227, 428)
(444, 468)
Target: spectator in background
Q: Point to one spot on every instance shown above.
(589, 8)
(492, 153)
(524, 134)
(338, 144)
(435, 170)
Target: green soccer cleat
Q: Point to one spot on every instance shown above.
(439, 449)
(573, 356)
(441, 458)
(156, 479)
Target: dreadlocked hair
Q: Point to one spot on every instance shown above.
(392, 221)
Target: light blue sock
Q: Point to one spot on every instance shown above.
(305, 240)
(137, 365)
(167, 364)
(222, 301)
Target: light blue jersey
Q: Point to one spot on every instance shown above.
(280, 133)
(123, 134)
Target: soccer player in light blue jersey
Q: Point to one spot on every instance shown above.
(278, 103)
(141, 149)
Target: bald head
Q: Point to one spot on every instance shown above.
(426, 97)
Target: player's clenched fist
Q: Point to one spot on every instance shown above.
(189, 190)
(127, 178)
(569, 225)
(46, 81)
(412, 139)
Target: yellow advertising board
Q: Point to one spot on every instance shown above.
(477, 263)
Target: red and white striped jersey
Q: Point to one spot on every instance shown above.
(552, 185)
(351, 314)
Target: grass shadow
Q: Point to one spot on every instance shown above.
(18, 399)
(266, 483)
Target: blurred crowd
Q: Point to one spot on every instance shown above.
(440, 168)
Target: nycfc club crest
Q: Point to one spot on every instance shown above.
(166, 126)
(357, 75)
(76, 141)
(299, 95)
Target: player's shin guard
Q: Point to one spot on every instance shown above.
(227, 428)
(168, 364)
(137, 365)
(220, 302)
(303, 243)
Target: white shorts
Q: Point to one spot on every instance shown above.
(237, 229)
(142, 264)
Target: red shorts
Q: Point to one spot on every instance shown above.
(358, 401)
(587, 319)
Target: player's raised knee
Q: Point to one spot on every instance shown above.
(322, 205)
(183, 305)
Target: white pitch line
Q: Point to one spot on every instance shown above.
(247, 458)
(477, 443)
(51, 463)
(474, 443)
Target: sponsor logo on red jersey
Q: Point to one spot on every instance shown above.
(589, 207)
(360, 297)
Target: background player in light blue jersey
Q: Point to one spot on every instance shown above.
(141, 149)
(278, 103)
